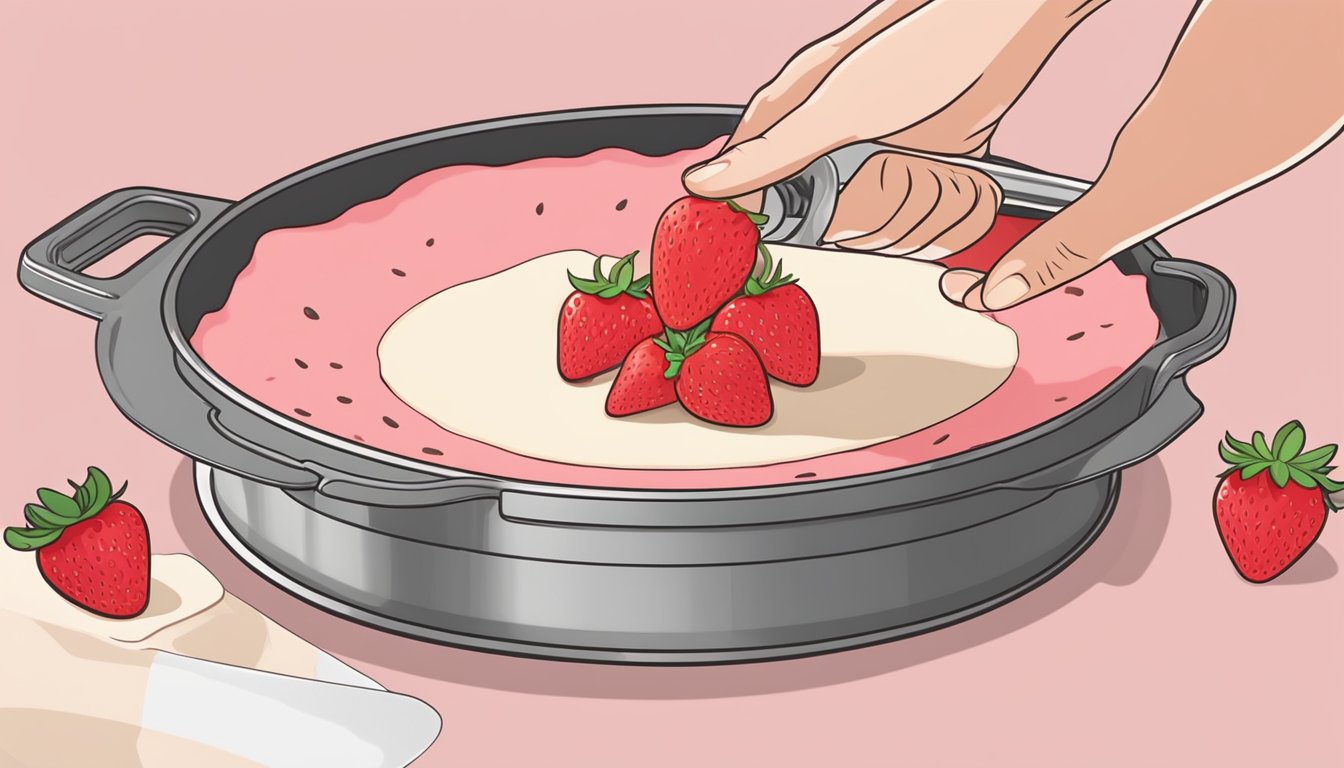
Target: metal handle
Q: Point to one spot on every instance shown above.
(400, 488)
(1205, 338)
(52, 265)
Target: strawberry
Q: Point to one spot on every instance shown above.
(642, 384)
(779, 320)
(703, 252)
(1270, 506)
(603, 319)
(92, 549)
(719, 377)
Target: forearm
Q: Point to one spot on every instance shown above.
(1006, 44)
(1252, 89)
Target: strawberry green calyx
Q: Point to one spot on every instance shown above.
(56, 512)
(759, 219)
(679, 345)
(757, 285)
(619, 280)
(1283, 459)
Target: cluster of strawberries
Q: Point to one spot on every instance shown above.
(705, 327)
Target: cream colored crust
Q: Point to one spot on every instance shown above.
(479, 360)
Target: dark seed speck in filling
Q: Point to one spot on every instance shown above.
(270, 378)
(1074, 290)
(342, 399)
(432, 451)
(300, 363)
(804, 474)
(621, 205)
(398, 272)
(310, 313)
(429, 243)
(360, 439)
(337, 366)
(1077, 336)
(302, 412)
(389, 422)
(1061, 398)
(941, 439)
(1107, 325)
(540, 207)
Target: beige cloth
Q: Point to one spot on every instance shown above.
(479, 360)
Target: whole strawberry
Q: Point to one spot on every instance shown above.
(703, 252)
(719, 377)
(1270, 506)
(92, 549)
(642, 384)
(603, 319)
(779, 320)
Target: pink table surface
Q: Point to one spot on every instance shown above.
(1146, 651)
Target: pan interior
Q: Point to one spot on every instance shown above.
(287, 300)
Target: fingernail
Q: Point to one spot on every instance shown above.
(955, 283)
(1008, 290)
(705, 172)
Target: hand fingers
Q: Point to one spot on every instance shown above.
(809, 67)
(799, 77)
(956, 283)
(808, 132)
(926, 190)
(964, 231)
(872, 197)
(1041, 262)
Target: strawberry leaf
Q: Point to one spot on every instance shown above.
(1278, 472)
(610, 292)
(1317, 458)
(26, 539)
(1239, 446)
(585, 286)
(1251, 470)
(1261, 447)
(59, 504)
(1301, 478)
(1289, 441)
(40, 517)
(1231, 456)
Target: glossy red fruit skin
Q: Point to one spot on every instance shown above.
(1266, 529)
(724, 383)
(102, 564)
(782, 326)
(641, 385)
(595, 334)
(703, 252)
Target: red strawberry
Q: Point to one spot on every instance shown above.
(1270, 506)
(719, 377)
(779, 320)
(603, 319)
(642, 384)
(92, 549)
(703, 252)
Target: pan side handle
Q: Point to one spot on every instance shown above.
(51, 267)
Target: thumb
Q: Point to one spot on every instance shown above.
(788, 147)
(1045, 259)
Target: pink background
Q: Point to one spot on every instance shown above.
(1148, 650)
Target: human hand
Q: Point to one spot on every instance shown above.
(1216, 124)
(973, 59)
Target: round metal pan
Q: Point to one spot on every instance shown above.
(690, 576)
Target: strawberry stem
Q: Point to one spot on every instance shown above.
(56, 512)
(679, 345)
(765, 281)
(1283, 459)
(620, 279)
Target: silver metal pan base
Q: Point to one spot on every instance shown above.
(621, 613)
